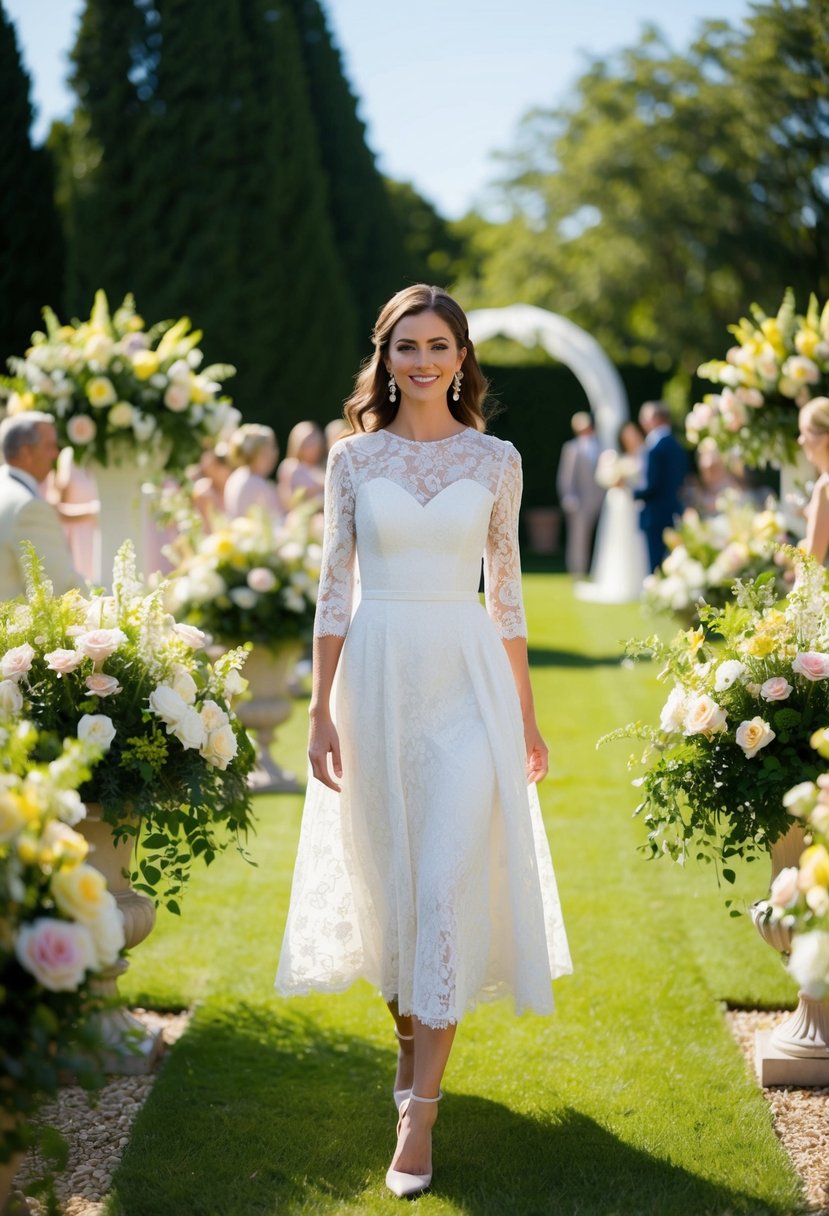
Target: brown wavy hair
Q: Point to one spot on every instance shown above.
(369, 409)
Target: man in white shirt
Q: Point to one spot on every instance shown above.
(29, 446)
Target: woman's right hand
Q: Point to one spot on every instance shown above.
(323, 741)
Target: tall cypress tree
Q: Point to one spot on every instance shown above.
(31, 265)
(369, 237)
(204, 170)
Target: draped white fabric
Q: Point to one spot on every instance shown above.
(430, 874)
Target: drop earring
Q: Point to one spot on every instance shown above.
(456, 386)
(392, 388)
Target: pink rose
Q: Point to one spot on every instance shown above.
(81, 429)
(812, 665)
(777, 688)
(101, 685)
(56, 952)
(260, 578)
(784, 889)
(99, 644)
(16, 662)
(177, 397)
(63, 661)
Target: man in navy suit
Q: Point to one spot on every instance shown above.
(666, 467)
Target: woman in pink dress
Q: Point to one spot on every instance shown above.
(253, 452)
(73, 493)
(301, 476)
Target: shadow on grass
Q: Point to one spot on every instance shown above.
(541, 656)
(258, 1113)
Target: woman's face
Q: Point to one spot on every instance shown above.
(631, 438)
(310, 450)
(423, 357)
(815, 445)
(264, 459)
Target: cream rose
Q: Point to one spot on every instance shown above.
(818, 900)
(58, 954)
(97, 729)
(168, 705)
(777, 688)
(107, 932)
(121, 416)
(728, 673)
(63, 661)
(800, 799)
(11, 698)
(261, 579)
(753, 735)
(220, 747)
(99, 644)
(101, 685)
(212, 716)
(64, 841)
(672, 717)
(812, 664)
(194, 637)
(79, 892)
(809, 962)
(703, 716)
(183, 683)
(81, 429)
(784, 889)
(16, 662)
(189, 730)
(69, 807)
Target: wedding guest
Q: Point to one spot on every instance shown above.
(666, 466)
(301, 475)
(579, 494)
(29, 445)
(336, 429)
(253, 453)
(212, 473)
(73, 492)
(621, 561)
(814, 439)
(714, 478)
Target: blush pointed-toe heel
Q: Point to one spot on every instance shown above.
(400, 1095)
(406, 1185)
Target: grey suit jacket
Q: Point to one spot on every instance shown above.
(24, 516)
(576, 479)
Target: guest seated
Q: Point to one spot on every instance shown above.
(253, 453)
(301, 476)
(211, 476)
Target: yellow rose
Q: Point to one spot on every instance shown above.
(814, 867)
(805, 341)
(80, 892)
(100, 391)
(820, 742)
(63, 842)
(760, 645)
(12, 816)
(145, 364)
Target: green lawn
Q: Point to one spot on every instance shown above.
(632, 1099)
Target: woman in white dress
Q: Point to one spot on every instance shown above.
(621, 558)
(813, 421)
(423, 865)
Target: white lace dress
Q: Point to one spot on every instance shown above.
(430, 874)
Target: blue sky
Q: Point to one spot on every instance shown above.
(442, 83)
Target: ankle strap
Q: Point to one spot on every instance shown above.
(403, 1038)
(417, 1098)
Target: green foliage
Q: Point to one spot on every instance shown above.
(673, 189)
(31, 266)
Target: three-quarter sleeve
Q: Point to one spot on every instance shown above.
(502, 565)
(338, 547)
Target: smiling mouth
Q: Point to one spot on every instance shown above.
(424, 379)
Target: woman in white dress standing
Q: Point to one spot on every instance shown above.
(423, 865)
(621, 561)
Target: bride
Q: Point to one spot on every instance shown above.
(621, 561)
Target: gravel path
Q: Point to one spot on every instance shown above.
(98, 1135)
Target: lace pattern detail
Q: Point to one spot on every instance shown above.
(423, 470)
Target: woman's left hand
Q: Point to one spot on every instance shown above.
(537, 756)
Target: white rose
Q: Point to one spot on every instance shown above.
(235, 684)
(809, 663)
(672, 717)
(194, 637)
(63, 661)
(703, 716)
(107, 932)
(777, 688)
(16, 662)
(818, 900)
(102, 613)
(801, 370)
(212, 716)
(168, 705)
(784, 889)
(751, 736)
(809, 963)
(97, 729)
(143, 426)
(189, 730)
(11, 698)
(800, 799)
(183, 683)
(220, 747)
(260, 578)
(727, 673)
(68, 807)
(243, 597)
(121, 416)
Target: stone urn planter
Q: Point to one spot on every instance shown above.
(797, 1051)
(129, 1047)
(543, 526)
(268, 673)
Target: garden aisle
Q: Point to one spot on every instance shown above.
(632, 1099)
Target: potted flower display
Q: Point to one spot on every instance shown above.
(776, 365)
(256, 581)
(59, 927)
(129, 400)
(120, 673)
(708, 553)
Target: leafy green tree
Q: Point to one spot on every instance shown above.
(31, 266)
(199, 186)
(673, 190)
(434, 247)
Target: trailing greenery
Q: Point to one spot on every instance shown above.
(621, 1103)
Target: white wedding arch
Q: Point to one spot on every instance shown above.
(572, 346)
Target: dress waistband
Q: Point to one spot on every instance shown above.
(466, 597)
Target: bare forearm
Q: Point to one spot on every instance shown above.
(327, 652)
(817, 531)
(516, 649)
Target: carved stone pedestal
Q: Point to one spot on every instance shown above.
(268, 673)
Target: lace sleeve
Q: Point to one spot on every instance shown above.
(502, 567)
(338, 546)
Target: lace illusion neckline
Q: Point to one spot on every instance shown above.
(424, 442)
